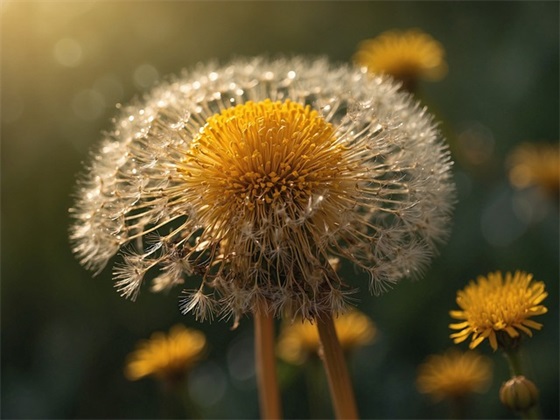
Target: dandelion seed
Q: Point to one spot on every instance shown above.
(252, 175)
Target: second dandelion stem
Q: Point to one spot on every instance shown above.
(269, 395)
(340, 386)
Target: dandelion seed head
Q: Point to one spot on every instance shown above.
(251, 176)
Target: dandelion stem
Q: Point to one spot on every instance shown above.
(315, 382)
(458, 407)
(342, 393)
(513, 357)
(171, 404)
(269, 395)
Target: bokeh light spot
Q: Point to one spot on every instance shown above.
(207, 384)
(476, 144)
(530, 206)
(240, 358)
(88, 105)
(145, 76)
(499, 223)
(68, 52)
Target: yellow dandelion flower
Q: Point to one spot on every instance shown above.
(246, 179)
(535, 164)
(496, 308)
(300, 339)
(405, 55)
(166, 357)
(454, 375)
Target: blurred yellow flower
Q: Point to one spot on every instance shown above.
(454, 375)
(166, 357)
(493, 306)
(405, 55)
(300, 339)
(535, 165)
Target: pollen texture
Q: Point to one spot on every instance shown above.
(258, 156)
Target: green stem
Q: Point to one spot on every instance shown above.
(458, 407)
(192, 410)
(315, 381)
(513, 356)
(171, 404)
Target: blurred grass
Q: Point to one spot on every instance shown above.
(65, 64)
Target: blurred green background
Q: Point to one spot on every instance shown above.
(65, 335)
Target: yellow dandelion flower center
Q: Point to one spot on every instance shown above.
(256, 154)
(493, 304)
